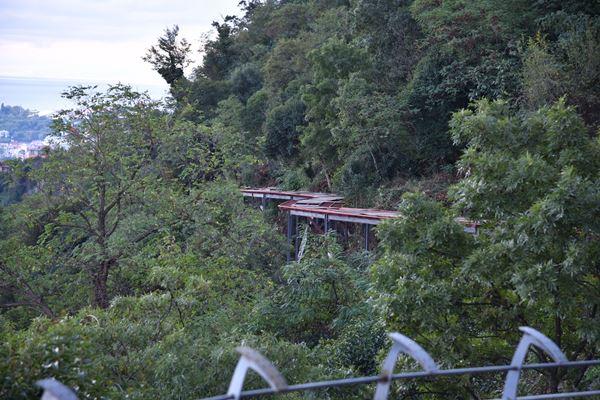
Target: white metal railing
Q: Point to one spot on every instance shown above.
(252, 360)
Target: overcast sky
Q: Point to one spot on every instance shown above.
(98, 40)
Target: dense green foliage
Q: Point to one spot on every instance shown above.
(534, 180)
(358, 94)
(23, 125)
(15, 181)
(131, 267)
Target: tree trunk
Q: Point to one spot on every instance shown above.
(558, 332)
(327, 179)
(47, 311)
(100, 285)
(100, 275)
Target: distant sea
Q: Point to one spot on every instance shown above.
(44, 95)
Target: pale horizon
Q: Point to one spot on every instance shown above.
(97, 41)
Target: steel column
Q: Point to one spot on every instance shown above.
(290, 232)
(296, 238)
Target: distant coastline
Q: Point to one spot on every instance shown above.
(44, 94)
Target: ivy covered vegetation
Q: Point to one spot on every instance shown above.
(130, 266)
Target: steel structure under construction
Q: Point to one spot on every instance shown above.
(328, 208)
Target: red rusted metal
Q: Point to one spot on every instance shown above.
(320, 205)
(330, 208)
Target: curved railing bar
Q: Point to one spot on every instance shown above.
(564, 395)
(423, 374)
(252, 359)
(530, 337)
(54, 390)
(402, 344)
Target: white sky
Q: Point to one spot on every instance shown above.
(97, 40)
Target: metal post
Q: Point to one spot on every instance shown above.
(54, 390)
(290, 230)
(326, 223)
(296, 238)
(405, 345)
(263, 203)
(252, 359)
(539, 340)
(366, 233)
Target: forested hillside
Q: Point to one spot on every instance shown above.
(23, 125)
(355, 96)
(134, 268)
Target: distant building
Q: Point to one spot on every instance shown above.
(35, 149)
(13, 149)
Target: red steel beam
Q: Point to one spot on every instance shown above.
(331, 205)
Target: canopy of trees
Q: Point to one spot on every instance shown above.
(130, 267)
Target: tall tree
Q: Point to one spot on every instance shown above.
(96, 185)
(170, 56)
(220, 53)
